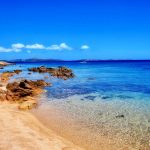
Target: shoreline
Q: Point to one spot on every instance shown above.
(22, 130)
(36, 129)
(67, 127)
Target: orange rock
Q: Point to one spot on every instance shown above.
(19, 91)
(60, 72)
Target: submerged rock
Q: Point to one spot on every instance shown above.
(120, 116)
(46, 77)
(92, 98)
(91, 78)
(60, 72)
(106, 97)
(17, 71)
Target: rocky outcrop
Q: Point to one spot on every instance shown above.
(5, 76)
(23, 92)
(60, 72)
(41, 69)
(19, 91)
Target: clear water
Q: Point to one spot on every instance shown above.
(105, 100)
(109, 79)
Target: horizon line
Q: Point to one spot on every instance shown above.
(76, 60)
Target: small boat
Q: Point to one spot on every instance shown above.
(83, 62)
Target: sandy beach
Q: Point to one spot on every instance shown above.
(20, 130)
(75, 75)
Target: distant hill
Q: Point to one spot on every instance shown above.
(59, 60)
(36, 60)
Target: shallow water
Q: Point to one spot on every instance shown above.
(125, 124)
(106, 106)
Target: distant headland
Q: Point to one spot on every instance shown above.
(36, 60)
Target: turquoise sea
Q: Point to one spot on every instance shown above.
(123, 80)
(106, 99)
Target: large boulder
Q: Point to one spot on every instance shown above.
(18, 91)
(15, 92)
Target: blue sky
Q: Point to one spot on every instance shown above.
(75, 29)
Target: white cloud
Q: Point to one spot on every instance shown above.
(62, 46)
(6, 50)
(17, 46)
(2, 49)
(85, 47)
(35, 46)
(53, 47)
(65, 46)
